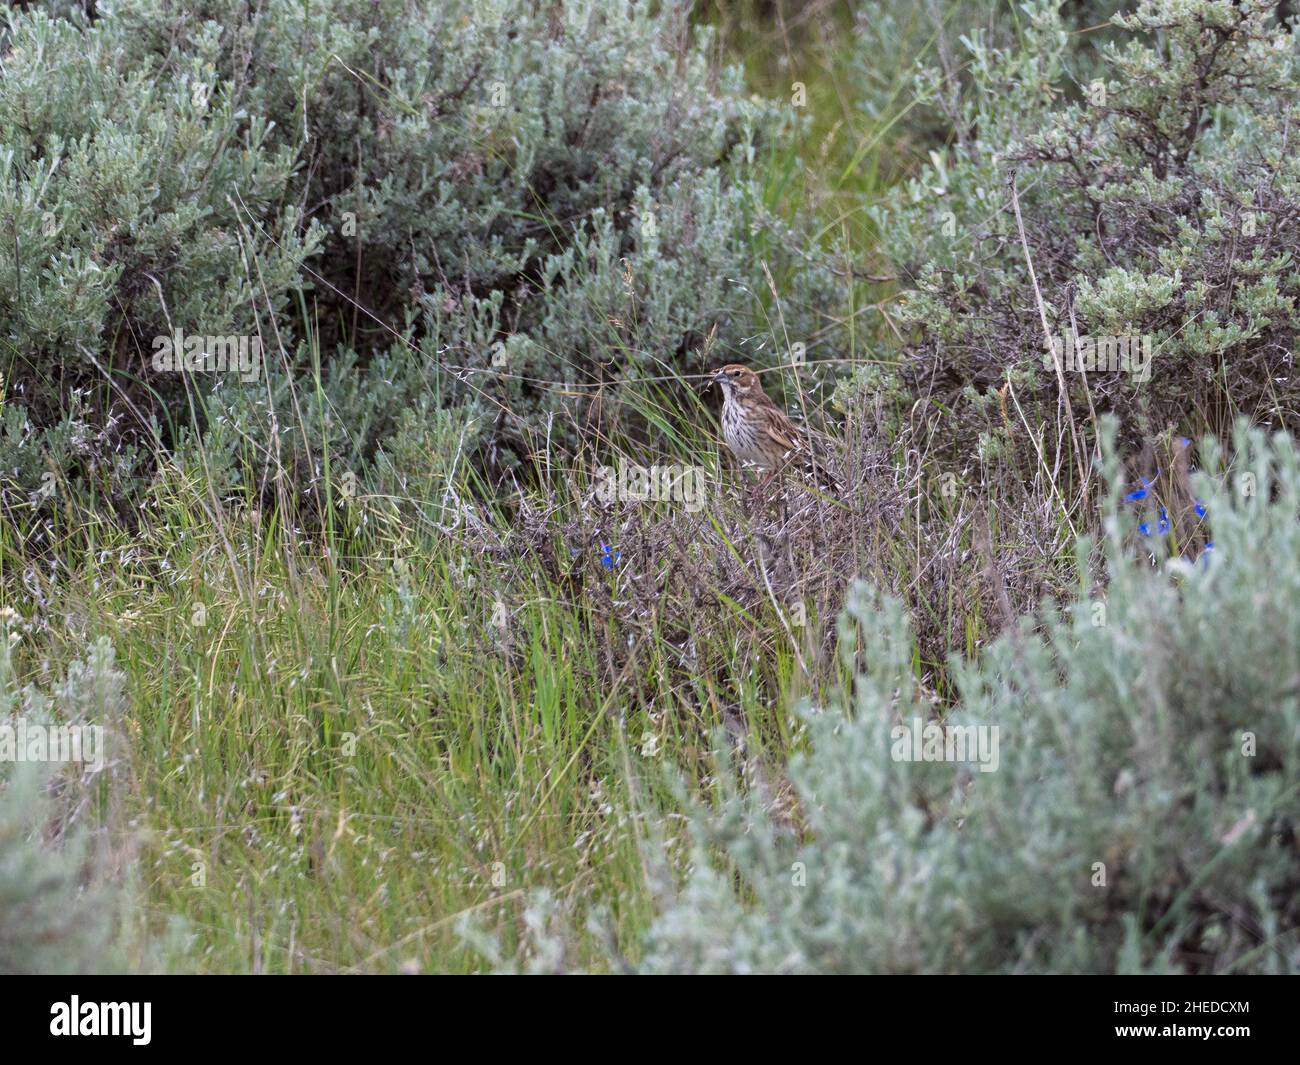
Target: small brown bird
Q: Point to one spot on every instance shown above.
(755, 428)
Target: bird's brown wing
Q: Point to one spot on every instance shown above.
(780, 429)
(812, 448)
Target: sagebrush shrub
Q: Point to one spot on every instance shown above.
(506, 228)
(60, 911)
(1159, 200)
(141, 198)
(1142, 816)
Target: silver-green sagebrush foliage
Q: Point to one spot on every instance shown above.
(1159, 191)
(1142, 815)
(500, 209)
(62, 909)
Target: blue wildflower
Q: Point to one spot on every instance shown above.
(1200, 509)
(609, 557)
(1161, 528)
(1141, 493)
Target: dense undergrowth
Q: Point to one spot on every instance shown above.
(391, 684)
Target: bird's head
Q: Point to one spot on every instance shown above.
(738, 381)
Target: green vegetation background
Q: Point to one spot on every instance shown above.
(388, 687)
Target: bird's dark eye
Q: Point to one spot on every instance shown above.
(735, 373)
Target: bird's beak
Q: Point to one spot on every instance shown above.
(719, 378)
